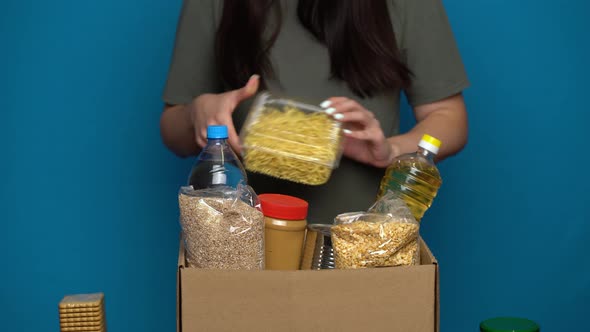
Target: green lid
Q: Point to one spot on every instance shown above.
(508, 324)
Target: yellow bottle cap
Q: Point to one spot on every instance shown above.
(432, 140)
(430, 143)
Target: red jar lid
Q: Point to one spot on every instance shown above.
(283, 206)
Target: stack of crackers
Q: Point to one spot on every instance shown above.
(82, 312)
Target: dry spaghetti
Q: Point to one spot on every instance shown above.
(292, 144)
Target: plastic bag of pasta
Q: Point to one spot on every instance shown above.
(291, 140)
(386, 235)
(222, 228)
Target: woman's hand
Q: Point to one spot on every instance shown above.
(364, 140)
(217, 109)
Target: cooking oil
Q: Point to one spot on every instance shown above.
(415, 177)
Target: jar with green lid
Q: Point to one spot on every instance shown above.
(508, 324)
(284, 230)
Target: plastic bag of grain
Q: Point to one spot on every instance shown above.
(385, 235)
(223, 228)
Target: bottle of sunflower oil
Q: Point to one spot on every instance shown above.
(415, 177)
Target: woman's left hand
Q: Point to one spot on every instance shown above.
(364, 140)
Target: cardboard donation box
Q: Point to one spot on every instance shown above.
(376, 299)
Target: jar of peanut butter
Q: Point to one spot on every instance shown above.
(284, 232)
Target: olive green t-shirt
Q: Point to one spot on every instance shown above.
(302, 70)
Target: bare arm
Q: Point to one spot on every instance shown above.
(184, 127)
(365, 142)
(444, 119)
(177, 130)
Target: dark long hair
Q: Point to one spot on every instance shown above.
(358, 34)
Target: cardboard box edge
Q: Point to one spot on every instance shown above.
(437, 298)
(181, 263)
(428, 252)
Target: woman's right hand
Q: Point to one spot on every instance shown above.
(216, 109)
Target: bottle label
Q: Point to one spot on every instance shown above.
(219, 176)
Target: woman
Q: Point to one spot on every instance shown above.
(354, 55)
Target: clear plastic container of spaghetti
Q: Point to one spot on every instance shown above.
(291, 140)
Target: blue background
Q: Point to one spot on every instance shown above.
(88, 193)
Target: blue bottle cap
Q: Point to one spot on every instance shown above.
(216, 132)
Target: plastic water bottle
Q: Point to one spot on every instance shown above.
(217, 165)
(415, 177)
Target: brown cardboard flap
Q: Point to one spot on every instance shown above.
(392, 299)
(181, 253)
(426, 256)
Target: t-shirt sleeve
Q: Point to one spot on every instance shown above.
(192, 69)
(430, 51)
